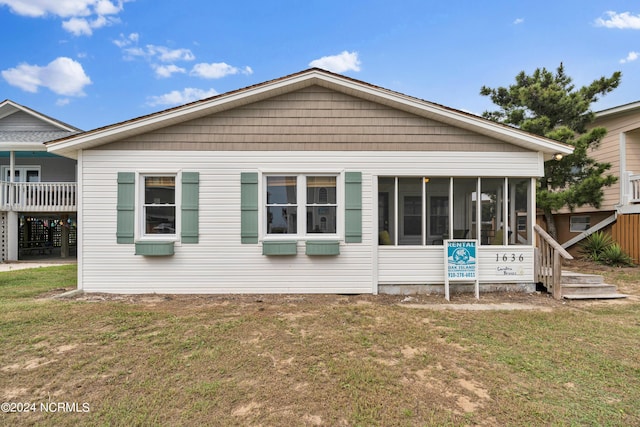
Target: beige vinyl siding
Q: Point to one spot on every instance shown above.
(609, 152)
(313, 119)
(219, 263)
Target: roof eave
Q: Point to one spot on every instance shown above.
(67, 146)
(22, 146)
(57, 123)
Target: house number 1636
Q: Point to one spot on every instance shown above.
(509, 257)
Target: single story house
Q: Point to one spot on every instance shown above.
(310, 183)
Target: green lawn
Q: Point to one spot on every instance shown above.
(311, 360)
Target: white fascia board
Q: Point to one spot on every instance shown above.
(22, 146)
(621, 109)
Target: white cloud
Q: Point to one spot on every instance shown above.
(165, 71)
(165, 54)
(105, 7)
(345, 61)
(217, 70)
(518, 21)
(78, 26)
(81, 16)
(160, 53)
(180, 97)
(632, 56)
(62, 102)
(63, 76)
(125, 41)
(41, 8)
(623, 20)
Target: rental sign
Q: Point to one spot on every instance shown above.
(461, 263)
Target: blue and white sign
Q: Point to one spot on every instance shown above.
(462, 260)
(461, 263)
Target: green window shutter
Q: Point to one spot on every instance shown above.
(353, 207)
(249, 207)
(190, 206)
(126, 207)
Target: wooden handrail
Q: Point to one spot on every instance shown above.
(548, 265)
(555, 245)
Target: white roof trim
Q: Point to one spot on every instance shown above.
(69, 146)
(620, 109)
(22, 146)
(17, 107)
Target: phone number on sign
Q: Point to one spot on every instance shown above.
(53, 407)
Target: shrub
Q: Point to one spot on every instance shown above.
(594, 245)
(615, 256)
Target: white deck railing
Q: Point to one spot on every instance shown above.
(38, 196)
(634, 188)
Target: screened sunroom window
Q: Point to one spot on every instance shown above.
(427, 211)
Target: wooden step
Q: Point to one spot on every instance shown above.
(571, 277)
(595, 296)
(590, 291)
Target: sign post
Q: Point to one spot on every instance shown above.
(461, 264)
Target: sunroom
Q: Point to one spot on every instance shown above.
(418, 214)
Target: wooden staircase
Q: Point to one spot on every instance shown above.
(586, 286)
(566, 284)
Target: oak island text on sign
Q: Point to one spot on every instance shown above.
(461, 260)
(461, 264)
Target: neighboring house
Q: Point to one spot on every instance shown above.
(311, 183)
(619, 213)
(37, 188)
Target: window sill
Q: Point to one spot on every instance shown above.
(155, 248)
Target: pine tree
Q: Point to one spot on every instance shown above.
(549, 105)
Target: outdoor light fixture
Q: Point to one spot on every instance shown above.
(557, 156)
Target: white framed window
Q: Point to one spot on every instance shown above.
(300, 204)
(158, 213)
(579, 223)
(22, 173)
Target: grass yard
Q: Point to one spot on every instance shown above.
(314, 360)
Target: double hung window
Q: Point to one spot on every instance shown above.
(301, 204)
(159, 207)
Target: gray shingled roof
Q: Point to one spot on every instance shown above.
(32, 136)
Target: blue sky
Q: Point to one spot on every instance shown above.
(92, 63)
